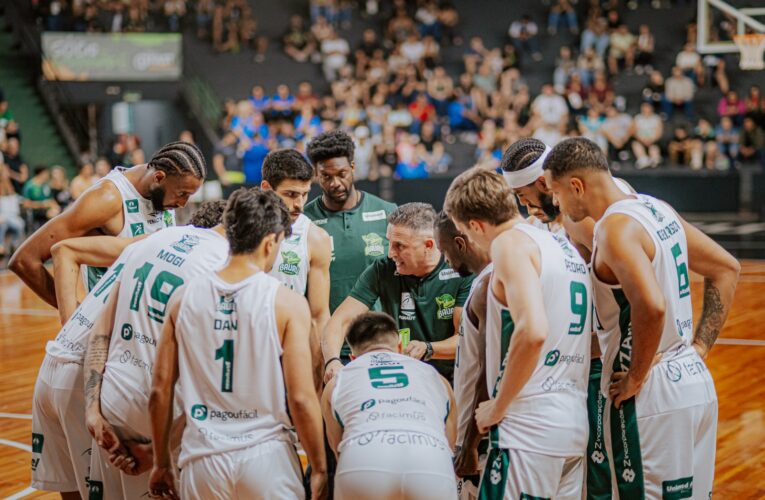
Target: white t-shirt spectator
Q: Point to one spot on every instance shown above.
(517, 27)
(679, 88)
(552, 109)
(687, 59)
(549, 135)
(413, 51)
(618, 126)
(646, 126)
(335, 52)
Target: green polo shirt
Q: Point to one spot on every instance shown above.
(424, 305)
(358, 239)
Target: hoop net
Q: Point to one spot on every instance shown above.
(752, 47)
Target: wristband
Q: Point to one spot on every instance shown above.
(331, 360)
(428, 352)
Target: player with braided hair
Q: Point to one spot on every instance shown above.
(127, 202)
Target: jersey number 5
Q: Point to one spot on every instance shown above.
(388, 377)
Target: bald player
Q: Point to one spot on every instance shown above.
(537, 341)
(467, 258)
(662, 418)
(127, 202)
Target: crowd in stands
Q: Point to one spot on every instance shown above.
(393, 93)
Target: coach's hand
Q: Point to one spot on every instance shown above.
(319, 485)
(416, 349)
(331, 370)
(102, 432)
(162, 484)
(622, 387)
(486, 417)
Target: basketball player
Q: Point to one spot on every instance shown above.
(469, 366)
(239, 343)
(61, 442)
(122, 346)
(390, 420)
(414, 285)
(127, 202)
(302, 262)
(663, 416)
(522, 169)
(537, 341)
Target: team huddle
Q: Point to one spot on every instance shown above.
(408, 354)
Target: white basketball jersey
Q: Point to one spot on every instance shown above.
(549, 415)
(158, 267)
(468, 363)
(670, 265)
(386, 391)
(229, 356)
(292, 263)
(139, 216)
(72, 340)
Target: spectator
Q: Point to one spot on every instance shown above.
(705, 150)
(731, 107)
(10, 216)
(6, 118)
(440, 88)
(654, 92)
(118, 152)
(644, 50)
(679, 93)
(421, 111)
(448, 18)
(364, 159)
(259, 100)
(562, 11)
(523, 34)
(755, 106)
(281, 104)
(565, 66)
(550, 108)
(19, 172)
(680, 147)
(228, 164)
(427, 20)
(186, 136)
(595, 37)
(103, 167)
(174, 10)
(409, 166)
(622, 51)
(601, 93)
(307, 124)
(82, 181)
(38, 199)
(431, 150)
(618, 130)
(253, 152)
(689, 62)
(591, 125)
(205, 10)
(548, 134)
(727, 136)
(59, 187)
(576, 95)
(413, 50)
(298, 42)
(588, 63)
(334, 51)
(400, 26)
(306, 96)
(133, 153)
(752, 143)
(648, 131)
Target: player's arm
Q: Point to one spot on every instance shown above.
(95, 361)
(91, 210)
(318, 295)
(331, 425)
(516, 280)
(451, 417)
(720, 271)
(69, 254)
(626, 249)
(293, 318)
(162, 481)
(362, 297)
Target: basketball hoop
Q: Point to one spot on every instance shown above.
(751, 47)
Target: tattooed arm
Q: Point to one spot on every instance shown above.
(95, 361)
(720, 271)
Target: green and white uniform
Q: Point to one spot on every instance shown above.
(139, 215)
(662, 442)
(293, 262)
(422, 307)
(538, 447)
(392, 409)
(237, 441)
(61, 444)
(158, 266)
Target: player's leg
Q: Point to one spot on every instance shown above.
(570, 487)
(52, 465)
(704, 450)
(513, 474)
(598, 484)
(269, 470)
(105, 481)
(208, 477)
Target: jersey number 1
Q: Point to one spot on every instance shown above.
(226, 352)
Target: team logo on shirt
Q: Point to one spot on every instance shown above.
(564, 245)
(199, 412)
(127, 331)
(186, 243)
(136, 229)
(654, 211)
(369, 403)
(552, 357)
(373, 245)
(290, 263)
(37, 442)
(445, 305)
(168, 219)
(294, 239)
(226, 304)
(132, 206)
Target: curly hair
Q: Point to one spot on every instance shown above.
(521, 154)
(209, 214)
(252, 214)
(334, 144)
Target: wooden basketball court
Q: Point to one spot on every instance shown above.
(737, 364)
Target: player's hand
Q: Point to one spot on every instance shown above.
(103, 432)
(466, 462)
(416, 349)
(622, 387)
(332, 368)
(319, 485)
(486, 416)
(701, 349)
(138, 459)
(162, 484)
